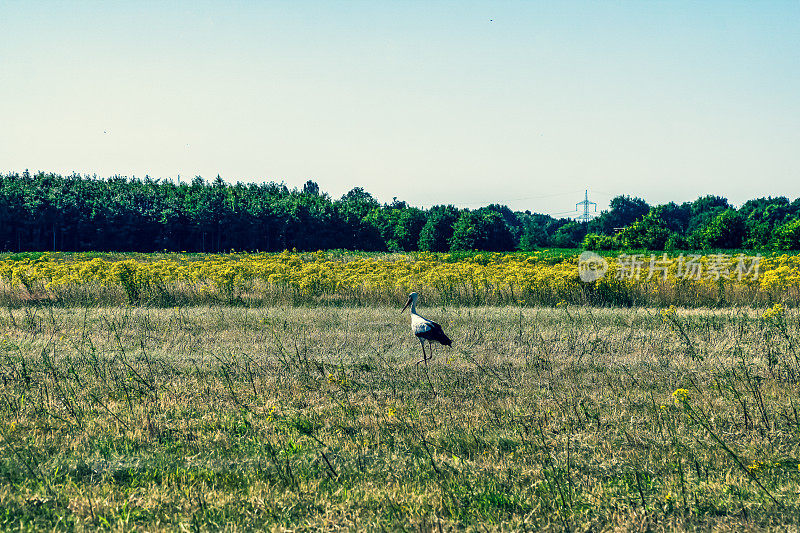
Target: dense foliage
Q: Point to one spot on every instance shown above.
(709, 222)
(77, 213)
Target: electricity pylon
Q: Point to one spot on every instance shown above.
(586, 216)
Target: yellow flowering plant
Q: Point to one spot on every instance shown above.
(319, 277)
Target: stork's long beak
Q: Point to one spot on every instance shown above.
(407, 304)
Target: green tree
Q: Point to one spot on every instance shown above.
(482, 230)
(703, 211)
(536, 230)
(311, 188)
(409, 227)
(495, 233)
(435, 235)
(467, 232)
(672, 216)
(570, 235)
(360, 231)
(787, 236)
(762, 216)
(647, 233)
(624, 210)
(726, 230)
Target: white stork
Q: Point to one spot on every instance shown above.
(424, 329)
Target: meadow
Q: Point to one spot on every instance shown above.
(310, 413)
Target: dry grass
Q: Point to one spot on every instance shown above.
(316, 418)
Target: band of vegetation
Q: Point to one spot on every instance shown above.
(342, 278)
(45, 211)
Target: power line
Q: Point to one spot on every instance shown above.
(585, 217)
(506, 201)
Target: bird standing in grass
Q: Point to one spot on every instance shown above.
(424, 329)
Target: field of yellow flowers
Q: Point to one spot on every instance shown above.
(341, 278)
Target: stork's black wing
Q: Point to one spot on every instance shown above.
(435, 333)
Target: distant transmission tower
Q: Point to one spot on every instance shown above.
(586, 216)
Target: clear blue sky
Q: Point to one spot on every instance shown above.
(522, 103)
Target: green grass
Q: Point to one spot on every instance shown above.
(311, 418)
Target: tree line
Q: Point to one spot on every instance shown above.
(710, 222)
(46, 211)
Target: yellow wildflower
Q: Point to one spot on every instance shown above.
(681, 396)
(774, 312)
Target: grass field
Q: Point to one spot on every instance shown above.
(306, 418)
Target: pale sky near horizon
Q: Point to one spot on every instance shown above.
(520, 103)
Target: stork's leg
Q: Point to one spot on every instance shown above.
(424, 356)
(430, 349)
